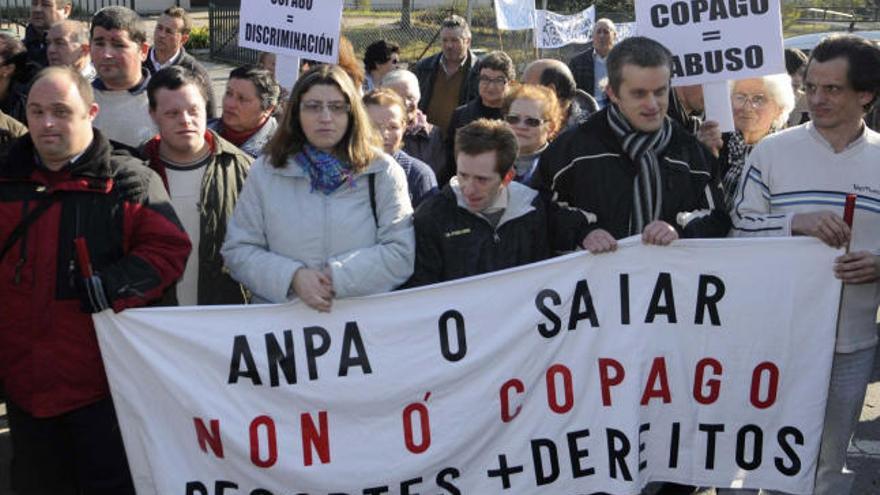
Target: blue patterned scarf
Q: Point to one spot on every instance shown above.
(326, 171)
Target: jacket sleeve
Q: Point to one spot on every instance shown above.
(708, 217)
(156, 246)
(751, 213)
(567, 225)
(429, 253)
(246, 249)
(387, 264)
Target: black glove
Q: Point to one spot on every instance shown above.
(92, 297)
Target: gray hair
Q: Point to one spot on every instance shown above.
(607, 21)
(456, 21)
(406, 77)
(79, 31)
(778, 88)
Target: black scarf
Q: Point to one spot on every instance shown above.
(643, 149)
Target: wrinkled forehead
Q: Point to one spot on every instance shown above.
(452, 32)
(604, 27)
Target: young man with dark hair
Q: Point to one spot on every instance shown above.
(44, 14)
(481, 221)
(118, 48)
(204, 174)
(795, 183)
(65, 197)
(629, 169)
(169, 37)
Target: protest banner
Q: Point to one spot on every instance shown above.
(554, 30)
(513, 15)
(299, 28)
(705, 362)
(715, 40)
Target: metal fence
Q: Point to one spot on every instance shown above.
(15, 13)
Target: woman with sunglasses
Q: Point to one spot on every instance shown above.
(534, 114)
(380, 58)
(760, 107)
(323, 213)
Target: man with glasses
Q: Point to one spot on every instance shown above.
(496, 73)
(481, 221)
(44, 13)
(795, 183)
(449, 78)
(171, 33)
(589, 68)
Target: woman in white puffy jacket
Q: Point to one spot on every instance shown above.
(324, 213)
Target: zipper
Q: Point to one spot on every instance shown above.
(22, 255)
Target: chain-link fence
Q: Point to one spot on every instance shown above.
(14, 14)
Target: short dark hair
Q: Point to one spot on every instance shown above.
(181, 14)
(638, 51)
(83, 86)
(484, 135)
(862, 56)
(173, 78)
(562, 81)
(501, 62)
(121, 18)
(267, 89)
(456, 21)
(794, 60)
(379, 52)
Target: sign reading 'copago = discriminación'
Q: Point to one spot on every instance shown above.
(715, 40)
(300, 28)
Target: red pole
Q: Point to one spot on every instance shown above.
(849, 208)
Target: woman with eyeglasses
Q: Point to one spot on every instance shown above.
(760, 107)
(380, 58)
(324, 213)
(534, 114)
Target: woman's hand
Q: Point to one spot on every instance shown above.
(314, 288)
(710, 135)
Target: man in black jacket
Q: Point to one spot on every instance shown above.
(630, 170)
(44, 13)
(481, 221)
(589, 67)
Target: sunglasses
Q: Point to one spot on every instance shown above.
(529, 121)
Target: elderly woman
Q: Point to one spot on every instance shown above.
(323, 213)
(421, 139)
(387, 111)
(760, 107)
(380, 58)
(534, 115)
(248, 107)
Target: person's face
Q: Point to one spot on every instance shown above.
(324, 116)
(604, 37)
(833, 103)
(455, 45)
(117, 57)
(59, 121)
(45, 13)
(382, 69)
(267, 61)
(526, 118)
(797, 80)
(61, 50)
(242, 110)
(479, 179)
(389, 121)
(754, 111)
(643, 96)
(493, 85)
(167, 37)
(410, 97)
(181, 119)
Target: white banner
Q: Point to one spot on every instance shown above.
(299, 28)
(512, 15)
(703, 363)
(625, 30)
(716, 41)
(554, 30)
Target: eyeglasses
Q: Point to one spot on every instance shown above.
(756, 101)
(497, 81)
(513, 119)
(336, 108)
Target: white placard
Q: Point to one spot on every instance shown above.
(716, 101)
(512, 15)
(554, 30)
(715, 40)
(286, 71)
(625, 30)
(301, 28)
(558, 377)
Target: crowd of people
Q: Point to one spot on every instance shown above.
(120, 187)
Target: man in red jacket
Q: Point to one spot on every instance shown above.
(82, 229)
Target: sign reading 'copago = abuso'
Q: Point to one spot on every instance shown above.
(715, 40)
(703, 363)
(301, 28)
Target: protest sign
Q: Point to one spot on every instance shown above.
(715, 40)
(512, 15)
(299, 28)
(705, 363)
(554, 30)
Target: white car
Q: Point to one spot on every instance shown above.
(806, 42)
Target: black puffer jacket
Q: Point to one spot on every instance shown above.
(452, 242)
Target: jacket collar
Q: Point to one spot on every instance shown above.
(519, 200)
(292, 169)
(93, 163)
